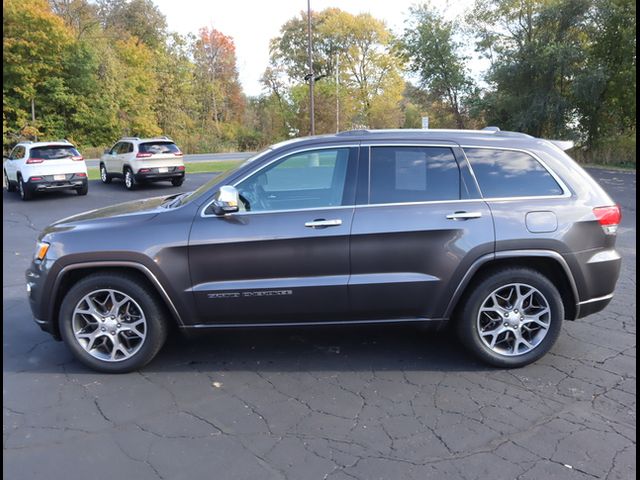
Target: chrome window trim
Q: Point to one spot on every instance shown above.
(566, 193)
(450, 146)
(280, 157)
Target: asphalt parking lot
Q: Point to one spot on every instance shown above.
(331, 403)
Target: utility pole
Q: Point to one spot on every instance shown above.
(311, 74)
(33, 114)
(337, 96)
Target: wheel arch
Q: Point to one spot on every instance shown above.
(72, 274)
(551, 264)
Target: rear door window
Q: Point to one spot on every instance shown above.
(158, 148)
(53, 152)
(510, 173)
(413, 174)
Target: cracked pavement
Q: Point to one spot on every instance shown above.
(321, 403)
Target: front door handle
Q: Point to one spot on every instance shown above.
(463, 215)
(321, 223)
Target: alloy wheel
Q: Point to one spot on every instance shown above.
(514, 319)
(109, 325)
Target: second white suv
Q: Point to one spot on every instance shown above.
(45, 166)
(139, 160)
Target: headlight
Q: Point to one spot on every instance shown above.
(41, 250)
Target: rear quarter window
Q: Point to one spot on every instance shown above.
(158, 147)
(510, 173)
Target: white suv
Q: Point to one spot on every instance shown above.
(143, 160)
(43, 166)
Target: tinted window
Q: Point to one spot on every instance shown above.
(508, 173)
(311, 179)
(53, 152)
(158, 147)
(413, 174)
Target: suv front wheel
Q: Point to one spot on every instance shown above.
(104, 175)
(112, 322)
(511, 318)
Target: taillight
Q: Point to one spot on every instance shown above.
(77, 158)
(608, 217)
(35, 179)
(35, 160)
(180, 167)
(143, 155)
(81, 174)
(178, 154)
(144, 170)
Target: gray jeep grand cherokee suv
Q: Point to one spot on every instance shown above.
(499, 232)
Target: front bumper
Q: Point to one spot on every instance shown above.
(36, 276)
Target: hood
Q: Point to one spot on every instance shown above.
(124, 212)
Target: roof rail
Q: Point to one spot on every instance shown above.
(491, 129)
(166, 138)
(63, 140)
(347, 133)
(130, 138)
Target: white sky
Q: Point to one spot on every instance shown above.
(252, 23)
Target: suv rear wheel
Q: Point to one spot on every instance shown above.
(511, 318)
(178, 181)
(112, 323)
(23, 189)
(129, 179)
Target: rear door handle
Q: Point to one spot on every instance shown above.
(321, 223)
(464, 215)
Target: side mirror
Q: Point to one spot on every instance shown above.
(228, 201)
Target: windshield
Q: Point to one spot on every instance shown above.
(189, 197)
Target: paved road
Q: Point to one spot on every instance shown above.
(195, 158)
(319, 403)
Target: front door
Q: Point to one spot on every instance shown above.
(285, 256)
(415, 231)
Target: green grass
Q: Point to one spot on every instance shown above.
(199, 167)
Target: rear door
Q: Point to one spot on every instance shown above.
(285, 256)
(418, 225)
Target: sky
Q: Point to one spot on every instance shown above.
(252, 23)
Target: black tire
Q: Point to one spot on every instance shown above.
(154, 312)
(10, 186)
(467, 321)
(25, 192)
(83, 190)
(177, 182)
(104, 175)
(130, 182)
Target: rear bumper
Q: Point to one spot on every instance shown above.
(593, 305)
(151, 174)
(47, 183)
(595, 273)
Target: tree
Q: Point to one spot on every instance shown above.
(34, 40)
(369, 85)
(536, 49)
(139, 18)
(218, 87)
(429, 45)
